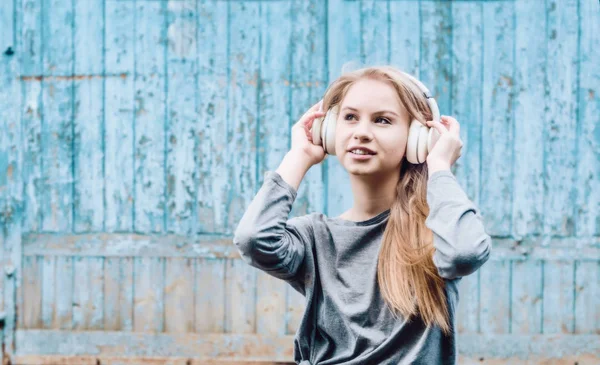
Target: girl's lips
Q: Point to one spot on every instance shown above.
(360, 157)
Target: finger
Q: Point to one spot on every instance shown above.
(453, 125)
(309, 116)
(314, 115)
(438, 126)
(307, 128)
(316, 107)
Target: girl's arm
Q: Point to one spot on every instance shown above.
(264, 236)
(459, 237)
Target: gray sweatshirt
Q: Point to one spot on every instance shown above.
(332, 262)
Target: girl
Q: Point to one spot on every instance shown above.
(380, 280)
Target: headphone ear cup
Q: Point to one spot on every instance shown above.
(328, 130)
(412, 146)
(422, 150)
(432, 138)
(316, 131)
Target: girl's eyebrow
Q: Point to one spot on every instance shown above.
(376, 113)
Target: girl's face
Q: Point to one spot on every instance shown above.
(371, 116)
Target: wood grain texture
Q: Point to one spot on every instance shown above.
(405, 36)
(495, 301)
(236, 347)
(11, 175)
(530, 78)
(587, 292)
(211, 295)
(466, 89)
(214, 129)
(57, 116)
(150, 113)
(119, 97)
(182, 115)
(497, 131)
(135, 133)
(179, 295)
(308, 79)
(561, 116)
(88, 116)
(588, 135)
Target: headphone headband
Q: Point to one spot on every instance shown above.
(433, 107)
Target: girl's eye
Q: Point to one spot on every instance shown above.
(380, 118)
(348, 115)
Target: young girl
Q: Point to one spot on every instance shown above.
(380, 280)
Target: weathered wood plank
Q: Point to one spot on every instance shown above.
(88, 117)
(217, 246)
(275, 89)
(240, 304)
(93, 360)
(30, 49)
(149, 129)
(57, 113)
(214, 129)
(31, 310)
(467, 312)
(179, 295)
(558, 297)
(497, 117)
(234, 346)
(148, 305)
(405, 36)
(375, 32)
(88, 298)
(466, 89)
(561, 117)
(530, 62)
(126, 290)
(526, 301)
(279, 348)
(48, 291)
(587, 294)
(182, 128)
(273, 133)
(270, 305)
(495, 302)
(119, 113)
(467, 57)
(211, 295)
(244, 35)
(436, 49)
(11, 171)
(137, 360)
(308, 79)
(118, 293)
(588, 139)
(111, 294)
(64, 293)
(343, 47)
(294, 310)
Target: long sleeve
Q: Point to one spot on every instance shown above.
(265, 238)
(459, 237)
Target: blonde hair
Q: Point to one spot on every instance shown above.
(407, 277)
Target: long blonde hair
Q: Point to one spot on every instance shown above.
(407, 277)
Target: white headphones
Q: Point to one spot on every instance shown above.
(421, 138)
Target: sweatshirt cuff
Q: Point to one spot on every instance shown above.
(276, 178)
(440, 173)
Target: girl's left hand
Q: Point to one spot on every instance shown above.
(448, 147)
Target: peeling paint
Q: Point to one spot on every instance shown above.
(123, 75)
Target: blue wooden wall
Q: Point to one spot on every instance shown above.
(133, 134)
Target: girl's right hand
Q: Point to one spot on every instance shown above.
(302, 135)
